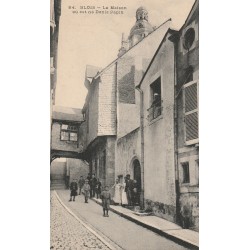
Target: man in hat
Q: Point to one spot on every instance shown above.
(129, 189)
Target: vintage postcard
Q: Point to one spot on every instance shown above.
(124, 146)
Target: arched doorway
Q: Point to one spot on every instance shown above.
(137, 176)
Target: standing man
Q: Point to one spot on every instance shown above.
(98, 189)
(80, 184)
(73, 189)
(129, 189)
(93, 186)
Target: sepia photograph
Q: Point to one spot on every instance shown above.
(124, 124)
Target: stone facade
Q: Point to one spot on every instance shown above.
(122, 132)
(55, 13)
(112, 105)
(101, 159)
(58, 170)
(76, 168)
(128, 149)
(188, 152)
(159, 156)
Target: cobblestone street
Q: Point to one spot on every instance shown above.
(68, 233)
(116, 231)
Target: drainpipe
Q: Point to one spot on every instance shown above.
(142, 146)
(177, 187)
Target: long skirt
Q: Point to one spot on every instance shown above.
(124, 198)
(117, 197)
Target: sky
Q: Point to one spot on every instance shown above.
(95, 39)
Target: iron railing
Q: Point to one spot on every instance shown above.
(155, 110)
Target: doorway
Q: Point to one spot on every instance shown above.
(137, 174)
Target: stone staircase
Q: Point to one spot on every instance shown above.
(57, 183)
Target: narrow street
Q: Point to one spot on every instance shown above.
(68, 233)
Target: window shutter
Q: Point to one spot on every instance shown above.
(191, 112)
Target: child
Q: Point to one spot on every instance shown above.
(106, 198)
(86, 190)
(73, 190)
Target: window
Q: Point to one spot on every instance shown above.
(155, 109)
(69, 133)
(185, 169)
(189, 38)
(190, 95)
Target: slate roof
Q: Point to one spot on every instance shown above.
(67, 114)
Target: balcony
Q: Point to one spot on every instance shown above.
(155, 110)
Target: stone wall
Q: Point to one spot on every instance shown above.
(101, 159)
(189, 192)
(76, 168)
(128, 148)
(159, 149)
(57, 169)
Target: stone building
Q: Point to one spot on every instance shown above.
(187, 86)
(111, 108)
(169, 125)
(157, 129)
(55, 13)
(67, 139)
(141, 115)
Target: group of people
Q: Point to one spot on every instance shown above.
(90, 187)
(125, 191)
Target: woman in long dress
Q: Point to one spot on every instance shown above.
(123, 193)
(117, 193)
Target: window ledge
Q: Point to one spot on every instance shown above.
(189, 188)
(156, 119)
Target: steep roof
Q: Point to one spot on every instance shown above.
(113, 62)
(169, 31)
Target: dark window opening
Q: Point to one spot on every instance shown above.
(186, 176)
(189, 38)
(155, 109)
